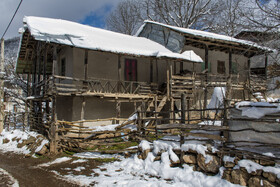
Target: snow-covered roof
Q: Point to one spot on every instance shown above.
(207, 35)
(83, 36)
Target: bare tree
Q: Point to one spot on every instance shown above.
(125, 18)
(130, 14)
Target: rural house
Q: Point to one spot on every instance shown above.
(77, 72)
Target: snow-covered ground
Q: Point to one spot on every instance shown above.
(136, 172)
(4, 175)
(14, 138)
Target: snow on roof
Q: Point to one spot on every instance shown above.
(83, 36)
(205, 34)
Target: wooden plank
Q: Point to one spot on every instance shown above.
(192, 127)
(203, 135)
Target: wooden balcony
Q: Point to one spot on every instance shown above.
(68, 86)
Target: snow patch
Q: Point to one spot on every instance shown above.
(93, 155)
(56, 161)
(11, 178)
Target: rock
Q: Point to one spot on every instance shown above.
(229, 164)
(127, 155)
(259, 182)
(157, 158)
(268, 184)
(190, 159)
(254, 182)
(258, 172)
(212, 166)
(43, 151)
(270, 176)
(6, 140)
(227, 175)
(239, 177)
(145, 153)
(267, 163)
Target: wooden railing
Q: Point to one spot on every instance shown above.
(70, 85)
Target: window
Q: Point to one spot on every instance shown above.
(130, 70)
(221, 69)
(63, 67)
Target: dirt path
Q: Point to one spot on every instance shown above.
(23, 170)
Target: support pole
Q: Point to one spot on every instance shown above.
(265, 65)
(2, 87)
(119, 73)
(118, 111)
(183, 108)
(206, 80)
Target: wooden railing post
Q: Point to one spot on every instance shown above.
(183, 108)
(1, 87)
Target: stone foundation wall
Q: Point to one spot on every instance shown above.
(237, 170)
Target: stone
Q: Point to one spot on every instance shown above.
(239, 177)
(270, 176)
(258, 172)
(157, 158)
(190, 159)
(127, 155)
(6, 140)
(268, 184)
(229, 164)
(254, 182)
(227, 175)
(267, 163)
(259, 182)
(145, 153)
(212, 166)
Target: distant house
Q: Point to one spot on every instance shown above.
(78, 72)
(269, 39)
(221, 54)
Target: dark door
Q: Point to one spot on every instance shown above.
(130, 70)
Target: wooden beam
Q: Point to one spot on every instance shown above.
(2, 87)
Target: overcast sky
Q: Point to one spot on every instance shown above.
(91, 12)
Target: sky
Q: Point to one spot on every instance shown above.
(90, 12)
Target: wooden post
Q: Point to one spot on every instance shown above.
(167, 82)
(265, 64)
(53, 133)
(248, 80)
(1, 87)
(119, 73)
(45, 69)
(118, 111)
(181, 67)
(183, 108)
(156, 115)
(206, 80)
(188, 109)
(172, 113)
(54, 66)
